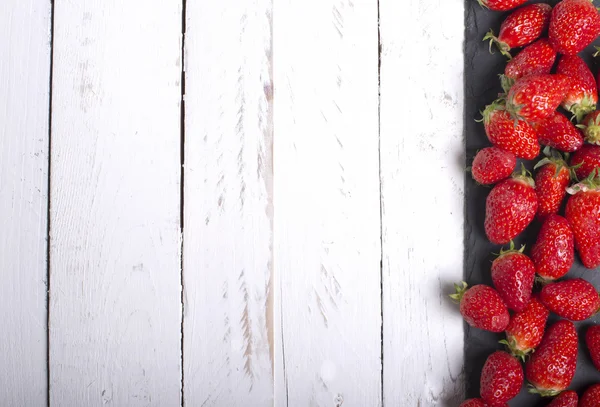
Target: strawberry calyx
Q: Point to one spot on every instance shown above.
(502, 46)
(591, 183)
(591, 131)
(554, 157)
(506, 83)
(514, 110)
(483, 3)
(511, 250)
(524, 176)
(513, 348)
(497, 104)
(461, 289)
(544, 393)
(582, 109)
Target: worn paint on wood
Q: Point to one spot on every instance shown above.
(422, 173)
(115, 305)
(24, 104)
(327, 212)
(228, 204)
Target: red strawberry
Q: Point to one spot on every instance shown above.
(592, 341)
(591, 397)
(583, 95)
(478, 403)
(522, 27)
(493, 164)
(501, 378)
(526, 328)
(536, 97)
(583, 213)
(501, 5)
(586, 160)
(513, 274)
(537, 58)
(551, 368)
(574, 24)
(517, 137)
(551, 181)
(574, 299)
(553, 254)
(510, 208)
(482, 307)
(473, 403)
(558, 132)
(565, 399)
(591, 127)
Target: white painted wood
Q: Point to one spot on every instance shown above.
(115, 317)
(24, 107)
(228, 204)
(422, 129)
(326, 199)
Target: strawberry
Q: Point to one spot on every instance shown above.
(592, 341)
(583, 213)
(591, 397)
(536, 97)
(472, 403)
(513, 274)
(526, 328)
(510, 208)
(591, 128)
(565, 399)
(478, 403)
(551, 368)
(558, 132)
(537, 58)
(501, 5)
(493, 164)
(517, 137)
(586, 160)
(553, 253)
(482, 307)
(522, 27)
(574, 24)
(551, 181)
(501, 378)
(574, 299)
(582, 98)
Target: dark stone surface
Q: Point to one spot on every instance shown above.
(481, 88)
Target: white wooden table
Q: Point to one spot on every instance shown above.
(230, 203)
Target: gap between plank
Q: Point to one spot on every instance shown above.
(380, 187)
(49, 203)
(182, 189)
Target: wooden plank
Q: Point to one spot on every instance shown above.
(24, 106)
(115, 303)
(326, 196)
(422, 172)
(228, 204)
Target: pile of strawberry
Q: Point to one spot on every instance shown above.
(524, 118)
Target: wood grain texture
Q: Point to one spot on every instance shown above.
(228, 204)
(422, 172)
(326, 198)
(24, 106)
(115, 317)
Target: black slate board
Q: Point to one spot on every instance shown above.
(481, 88)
